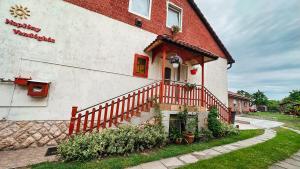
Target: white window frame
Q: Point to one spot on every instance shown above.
(146, 17)
(180, 16)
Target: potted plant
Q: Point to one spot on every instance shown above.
(175, 29)
(175, 60)
(176, 136)
(194, 71)
(189, 86)
(190, 130)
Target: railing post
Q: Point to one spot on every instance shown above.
(72, 121)
(230, 121)
(161, 91)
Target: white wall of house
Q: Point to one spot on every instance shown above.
(91, 60)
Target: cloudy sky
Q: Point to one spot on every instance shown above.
(263, 36)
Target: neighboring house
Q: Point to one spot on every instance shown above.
(238, 103)
(57, 54)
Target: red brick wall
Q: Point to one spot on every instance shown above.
(241, 107)
(193, 32)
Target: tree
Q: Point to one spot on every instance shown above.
(259, 98)
(244, 93)
(273, 105)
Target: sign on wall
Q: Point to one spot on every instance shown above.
(21, 12)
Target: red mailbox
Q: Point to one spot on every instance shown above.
(38, 88)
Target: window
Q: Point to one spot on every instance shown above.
(140, 7)
(140, 68)
(174, 15)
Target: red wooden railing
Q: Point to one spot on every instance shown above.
(123, 107)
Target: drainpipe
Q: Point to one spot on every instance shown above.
(230, 65)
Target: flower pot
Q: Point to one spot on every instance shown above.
(193, 71)
(178, 141)
(21, 81)
(189, 138)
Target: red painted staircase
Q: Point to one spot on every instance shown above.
(122, 108)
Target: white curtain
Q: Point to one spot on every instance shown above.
(141, 7)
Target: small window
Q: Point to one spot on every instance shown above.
(140, 68)
(140, 7)
(174, 16)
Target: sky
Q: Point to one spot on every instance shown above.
(263, 36)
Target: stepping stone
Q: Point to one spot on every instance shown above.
(293, 162)
(221, 149)
(136, 167)
(151, 165)
(231, 147)
(189, 158)
(172, 162)
(287, 165)
(211, 153)
(296, 158)
(276, 167)
(200, 155)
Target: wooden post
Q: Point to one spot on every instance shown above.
(163, 65)
(72, 121)
(202, 83)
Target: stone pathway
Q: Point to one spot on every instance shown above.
(175, 162)
(24, 157)
(259, 123)
(290, 163)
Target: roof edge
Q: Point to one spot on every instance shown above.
(213, 33)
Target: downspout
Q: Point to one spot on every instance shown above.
(230, 66)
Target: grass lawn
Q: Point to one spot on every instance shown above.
(138, 158)
(260, 156)
(290, 121)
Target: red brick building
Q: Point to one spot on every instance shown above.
(238, 103)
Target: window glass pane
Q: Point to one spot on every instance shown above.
(173, 17)
(141, 66)
(141, 7)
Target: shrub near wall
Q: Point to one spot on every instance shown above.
(118, 141)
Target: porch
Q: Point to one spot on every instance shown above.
(170, 93)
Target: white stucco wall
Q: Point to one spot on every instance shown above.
(91, 60)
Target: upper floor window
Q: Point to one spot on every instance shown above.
(140, 7)
(174, 15)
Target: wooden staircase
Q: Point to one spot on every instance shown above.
(122, 108)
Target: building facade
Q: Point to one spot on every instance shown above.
(55, 54)
(238, 103)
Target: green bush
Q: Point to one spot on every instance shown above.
(205, 134)
(119, 141)
(217, 128)
(214, 125)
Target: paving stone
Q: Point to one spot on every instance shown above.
(296, 158)
(293, 162)
(231, 147)
(276, 167)
(200, 155)
(287, 165)
(136, 167)
(152, 165)
(188, 158)
(172, 162)
(211, 152)
(221, 149)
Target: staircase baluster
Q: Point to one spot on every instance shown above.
(86, 116)
(117, 112)
(92, 120)
(123, 107)
(78, 123)
(133, 105)
(128, 107)
(111, 112)
(99, 117)
(105, 115)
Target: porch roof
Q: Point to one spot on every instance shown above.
(167, 40)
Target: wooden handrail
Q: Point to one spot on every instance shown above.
(123, 107)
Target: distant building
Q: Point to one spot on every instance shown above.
(238, 103)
